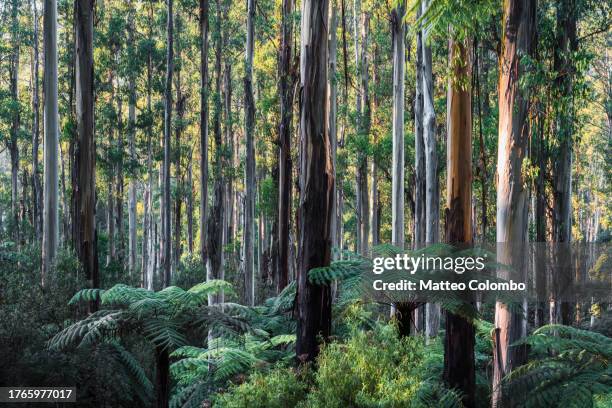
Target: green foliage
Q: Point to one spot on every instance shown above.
(372, 368)
(228, 354)
(279, 388)
(568, 364)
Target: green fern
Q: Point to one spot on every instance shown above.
(570, 365)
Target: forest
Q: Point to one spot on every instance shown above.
(192, 194)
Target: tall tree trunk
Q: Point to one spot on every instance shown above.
(286, 81)
(110, 217)
(459, 342)
(214, 265)
(540, 220)
(131, 145)
(229, 136)
(332, 108)
(178, 173)
(316, 182)
(204, 7)
(419, 146)
(432, 198)
(363, 122)
(167, 239)
(517, 40)
(36, 187)
(397, 176)
(13, 144)
(249, 120)
(374, 194)
(566, 43)
(190, 205)
(50, 201)
(85, 149)
(119, 178)
(148, 253)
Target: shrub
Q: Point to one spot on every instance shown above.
(278, 388)
(373, 368)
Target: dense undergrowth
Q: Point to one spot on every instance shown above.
(233, 356)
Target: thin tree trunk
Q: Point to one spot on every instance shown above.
(214, 265)
(178, 173)
(203, 126)
(363, 123)
(249, 202)
(190, 206)
(36, 187)
(397, 176)
(148, 257)
(459, 371)
(419, 146)
(316, 182)
(131, 146)
(517, 40)
(333, 114)
(13, 145)
(85, 149)
(286, 81)
(432, 198)
(51, 133)
(166, 260)
(119, 178)
(566, 43)
(374, 194)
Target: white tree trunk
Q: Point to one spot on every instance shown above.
(51, 187)
(132, 150)
(397, 201)
(419, 147)
(432, 198)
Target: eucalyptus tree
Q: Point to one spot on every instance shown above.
(84, 223)
(432, 194)
(286, 82)
(459, 341)
(203, 125)
(316, 181)
(518, 40)
(132, 73)
(249, 122)
(397, 189)
(51, 133)
(13, 141)
(166, 232)
(36, 187)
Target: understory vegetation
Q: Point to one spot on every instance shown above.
(234, 356)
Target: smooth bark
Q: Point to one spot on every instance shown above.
(518, 37)
(51, 133)
(397, 176)
(459, 370)
(167, 239)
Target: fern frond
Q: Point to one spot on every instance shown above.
(212, 287)
(164, 333)
(127, 360)
(86, 295)
(337, 270)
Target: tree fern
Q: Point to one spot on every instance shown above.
(570, 365)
